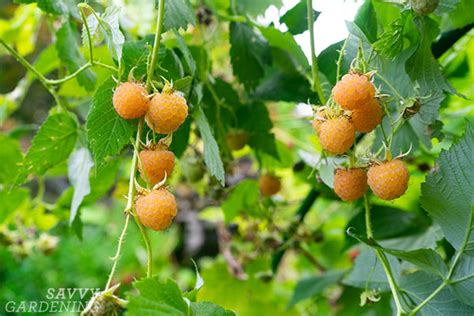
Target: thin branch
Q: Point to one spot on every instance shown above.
(316, 82)
(156, 44)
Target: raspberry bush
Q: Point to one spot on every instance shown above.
(190, 157)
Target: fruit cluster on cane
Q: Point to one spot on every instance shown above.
(359, 111)
(164, 113)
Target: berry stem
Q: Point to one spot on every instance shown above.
(341, 56)
(316, 82)
(117, 252)
(383, 259)
(156, 44)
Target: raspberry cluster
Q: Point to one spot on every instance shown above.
(357, 110)
(164, 113)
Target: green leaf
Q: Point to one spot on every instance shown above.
(368, 272)
(79, 166)
(249, 53)
(242, 198)
(209, 309)
(10, 156)
(110, 27)
(315, 285)
(420, 285)
(383, 218)
(211, 149)
(448, 195)
(423, 66)
(157, 298)
(255, 119)
(184, 85)
(256, 8)
(56, 7)
(107, 132)
(457, 18)
(426, 259)
(296, 19)
(188, 57)
(462, 284)
(286, 42)
(367, 21)
(52, 145)
(11, 200)
(178, 15)
(70, 55)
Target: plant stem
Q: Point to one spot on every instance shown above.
(117, 253)
(383, 259)
(395, 91)
(316, 83)
(35, 72)
(156, 44)
(70, 76)
(89, 38)
(339, 60)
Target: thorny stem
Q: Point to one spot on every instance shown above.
(316, 83)
(117, 252)
(383, 259)
(156, 44)
(339, 60)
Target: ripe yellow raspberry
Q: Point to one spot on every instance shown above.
(154, 163)
(269, 185)
(337, 135)
(319, 118)
(167, 112)
(237, 140)
(366, 118)
(350, 184)
(157, 209)
(388, 180)
(130, 100)
(353, 91)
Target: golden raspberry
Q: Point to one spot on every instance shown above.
(353, 91)
(350, 184)
(157, 209)
(130, 100)
(366, 118)
(154, 163)
(389, 180)
(237, 140)
(337, 135)
(269, 185)
(167, 112)
(319, 118)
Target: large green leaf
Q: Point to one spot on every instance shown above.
(69, 53)
(211, 149)
(286, 42)
(422, 66)
(368, 272)
(56, 7)
(255, 119)
(157, 298)
(249, 53)
(209, 309)
(10, 156)
(178, 15)
(51, 145)
(425, 259)
(448, 193)
(296, 19)
(255, 8)
(420, 285)
(107, 132)
(315, 285)
(462, 284)
(79, 166)
(367, 21)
